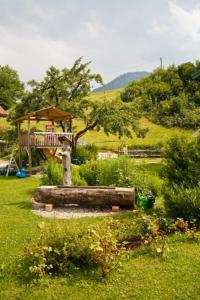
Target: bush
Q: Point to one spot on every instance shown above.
(76, 178)
(53, 174)
(182, 174)
(108, 172)
(182, 161)
(183, 203)
(86, 153)
(60, 251)
(119, 172)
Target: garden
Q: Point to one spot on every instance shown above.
(136, 254)
(149, 250)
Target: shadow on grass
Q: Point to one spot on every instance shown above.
(22, 205)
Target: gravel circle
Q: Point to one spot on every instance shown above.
(72, 213)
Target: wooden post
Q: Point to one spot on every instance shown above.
(29, 147)
(66, 162)
(20, 147)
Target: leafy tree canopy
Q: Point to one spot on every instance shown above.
(69, 89)
(11, 88)
(168, 96)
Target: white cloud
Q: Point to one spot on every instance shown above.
(94, 29)
(32, 55)
(186, 22)
(117, 38)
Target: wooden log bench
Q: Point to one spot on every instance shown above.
(86, 196)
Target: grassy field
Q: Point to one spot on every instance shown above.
(157, 134)
(142, 276)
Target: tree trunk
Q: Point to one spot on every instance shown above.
(74, 145)
(86, 196)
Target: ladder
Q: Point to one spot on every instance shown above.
(12, 162)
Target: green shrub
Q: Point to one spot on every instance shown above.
(148, 183)
(119, 171)
(183, 203)
(53, 174)
(86, 153)
(182, 175)
(60, 250)
(182, 161)
(76, 178)
(108, 172)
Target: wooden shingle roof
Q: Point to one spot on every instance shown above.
(50, 113)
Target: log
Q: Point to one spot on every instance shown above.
(86, 196)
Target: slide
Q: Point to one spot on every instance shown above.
(48, 153)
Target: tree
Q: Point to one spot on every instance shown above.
(11, 88)
(69, 89)
(168, 96)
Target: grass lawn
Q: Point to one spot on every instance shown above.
(142, 276)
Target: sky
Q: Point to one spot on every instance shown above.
(116, 36)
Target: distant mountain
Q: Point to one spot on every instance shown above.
(122, 81)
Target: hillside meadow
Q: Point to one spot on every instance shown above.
(156, 134)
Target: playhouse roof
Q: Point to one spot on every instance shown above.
(2, 112)
(46, 114)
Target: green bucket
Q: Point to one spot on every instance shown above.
(142, 201)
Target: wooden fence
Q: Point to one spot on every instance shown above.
(140, 152)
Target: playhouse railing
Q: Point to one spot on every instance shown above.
(43, 139)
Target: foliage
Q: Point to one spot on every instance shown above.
(11, 88)
(86, 153)
(183, 202)
(60, 251)
(53, 174)
(182, 161)
(156, 136)
(9, 135)
(107, 172)
(76, 178)
(168, 96)
(110, 172)
(69, 89)
(119, 171)
(182, 175)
